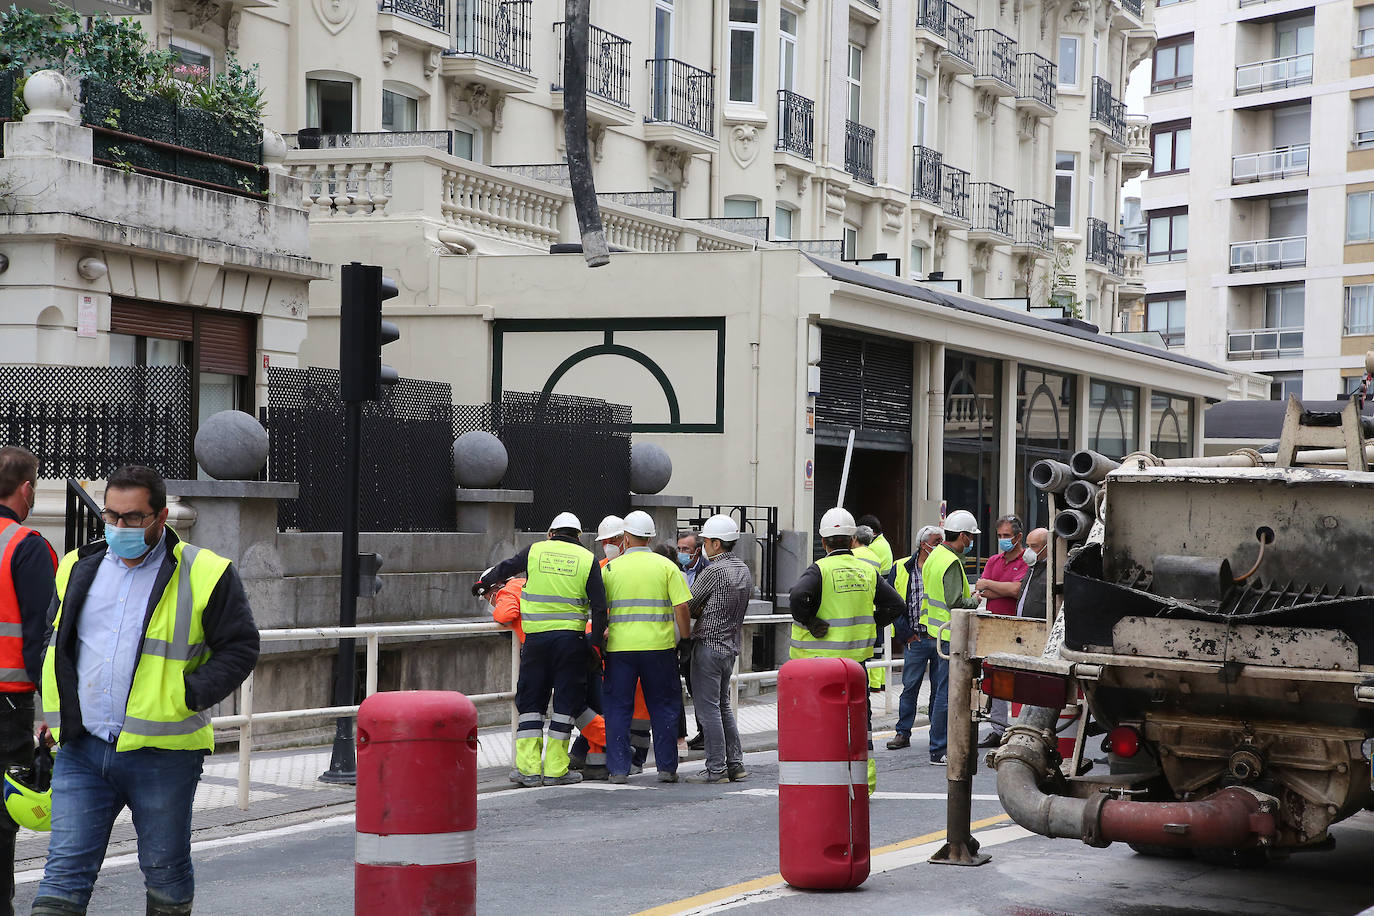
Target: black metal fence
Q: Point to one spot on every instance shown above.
(796, 123)
(432, 13)
(83, 521)
(991, 208)
(1036, 79)
(954, 192)
(1104, 246)
(682, 94)
(7, 78)
(85, 421)
(959, 33)
(496, 30)
(1107, 110)
(761, 522)
(1032, 224)
(925, 174)
(608, 65)
(858, 150)
(930, 15)
(996, 57)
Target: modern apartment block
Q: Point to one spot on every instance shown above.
(1260, 242)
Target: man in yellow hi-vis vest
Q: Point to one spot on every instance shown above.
(149, 633)
(946, 586)
(562, 592)
(863, 549)
(838, 604)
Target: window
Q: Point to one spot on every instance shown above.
(399, 112)
(1172, 144)
(782, 224)
(918, 114)
(787, 50)
(329, 105)
(1173, 66)
(1167, 236)
(917, 265)
(744, 42)
(1364, 119)
(1288, 216)
(1292, 125)
(1165, 315)
(193, 54)
(854, 79)
(467, 142)
(741, 208)
(663, 28)
(1351, 384)
(1359, 309)
(1285, 383)
(1065, 168)
(1359, 216)
(1283, 306)
(1364, 32)
(1068, 61)
(1293, 37)
(1092, 187)
(851, 242)
(1112, 426)
(1168, 2)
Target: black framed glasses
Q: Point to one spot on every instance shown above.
(130, 519)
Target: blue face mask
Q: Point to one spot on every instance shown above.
(684, 559)
(969, 549)
(127, 543)
(1004, 544)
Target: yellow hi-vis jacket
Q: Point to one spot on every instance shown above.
(848, 584)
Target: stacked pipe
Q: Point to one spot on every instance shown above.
(1078, 485)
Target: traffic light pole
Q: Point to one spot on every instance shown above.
(343, 762)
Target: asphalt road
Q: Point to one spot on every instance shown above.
(596, 849)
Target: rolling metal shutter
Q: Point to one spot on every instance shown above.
(866, 385)
(148, 319)
(225, 342)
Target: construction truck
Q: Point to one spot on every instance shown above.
(1214, 631)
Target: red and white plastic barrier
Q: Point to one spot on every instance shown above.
(417, 805)
(823, 773)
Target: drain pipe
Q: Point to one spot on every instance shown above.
(1232, 818)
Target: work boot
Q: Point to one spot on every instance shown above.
(163, 908)
(636, 770)
(617, 779)
(577, 763)
(898, 741)
(697, 743)
(54, 906)
(708, 777)
(567, 779)
(939, 761)
(595, 774)
(736, 771)
(530, 780)
(992, 740)
(666, 776)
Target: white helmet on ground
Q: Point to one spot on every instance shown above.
(640, 524)
(720, 527)
(837, 521)
(612, 526)
(962, 520)
(565, 520)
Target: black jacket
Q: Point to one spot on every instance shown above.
(596, 589)
(230, 633)
(806, 598)
(1031, 601)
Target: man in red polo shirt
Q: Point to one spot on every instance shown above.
(1000, 585)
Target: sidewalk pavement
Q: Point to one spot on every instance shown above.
(284, 786)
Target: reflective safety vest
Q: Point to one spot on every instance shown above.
(935, 605)
(865, 553)
(172, 647)
(639, 595)
(847, 588)
(883, 550)
(555, 593)
(13, 676)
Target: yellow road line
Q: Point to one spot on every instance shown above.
(700, 900)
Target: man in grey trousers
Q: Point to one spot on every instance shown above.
(720, 599)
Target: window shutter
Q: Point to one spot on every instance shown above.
(148, 319)
(226, 343)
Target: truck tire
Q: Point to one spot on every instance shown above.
(1160, 852)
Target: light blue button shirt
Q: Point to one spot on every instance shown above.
(108, 634)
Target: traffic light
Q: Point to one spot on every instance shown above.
(369, 574)
(363, 333)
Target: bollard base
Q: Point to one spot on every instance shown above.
(343, 760)
(960, 853)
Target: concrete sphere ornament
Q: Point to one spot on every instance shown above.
(650, 468)
(232, 445)
(479, 460)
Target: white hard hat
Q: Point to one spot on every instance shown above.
(640, 524)
(962, 520)
(612, 526)
(565, 520)
(837, 521)
(720, 527)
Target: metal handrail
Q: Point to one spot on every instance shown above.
(1269, 254)
(991, 208)
(996, 57)
(930, 15)
(432, 13)
(83, 521)
(1035, 76)
(608, 65)
(954, 192)
(1263, 343)
(796, 120)
(496, 30)
(681, 94)
(1281, 162)
(1275, 73)
(959, 33)
(858, 150)
(925, 174)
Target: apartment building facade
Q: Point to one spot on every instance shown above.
(1260, 245)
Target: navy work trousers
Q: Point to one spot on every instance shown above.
(656, 672)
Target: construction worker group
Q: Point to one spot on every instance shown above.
(606, 641)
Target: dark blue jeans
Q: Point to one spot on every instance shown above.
(916, 658)
(91, 784)
(656, 672)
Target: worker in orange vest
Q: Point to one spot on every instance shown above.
(505, 611)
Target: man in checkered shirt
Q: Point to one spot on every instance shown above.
(720, 599)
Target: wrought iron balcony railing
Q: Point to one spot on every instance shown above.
(991, 208)
(1033, 224)
(1263, 343)
(438, 139)
(682, 94)
(433, 13)
(1104, 246)
(959, 33)
(925, 174)
(608, 65)
(1135, 7)
(954, 192)
(1035, 79)
(1279, 73)
(1269, 254)
(996, 57)
(930, 15)
(1284, 162)
(494, 30)
(796, 124)
(858, 151)
(1108, 110)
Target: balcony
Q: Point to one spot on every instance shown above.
(608, 71)
(821, 248)
(432, 13)
(1035, 85)
(1269, 254)
(682, 104)
(954, 195)
(1138, 156)
(1271, 165)
(990, 220)
(1032, 227)
(1108, 115)
(1104, 248)
(1279, 73)
(796, 124)
(930, 17)
(958, 53)
(384, 139)
(858, 151)
(925, 174)
(491, 45)
(1133, 282)
(994, 68)
(1135, 7)
(753, 227)
(1263, 343)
